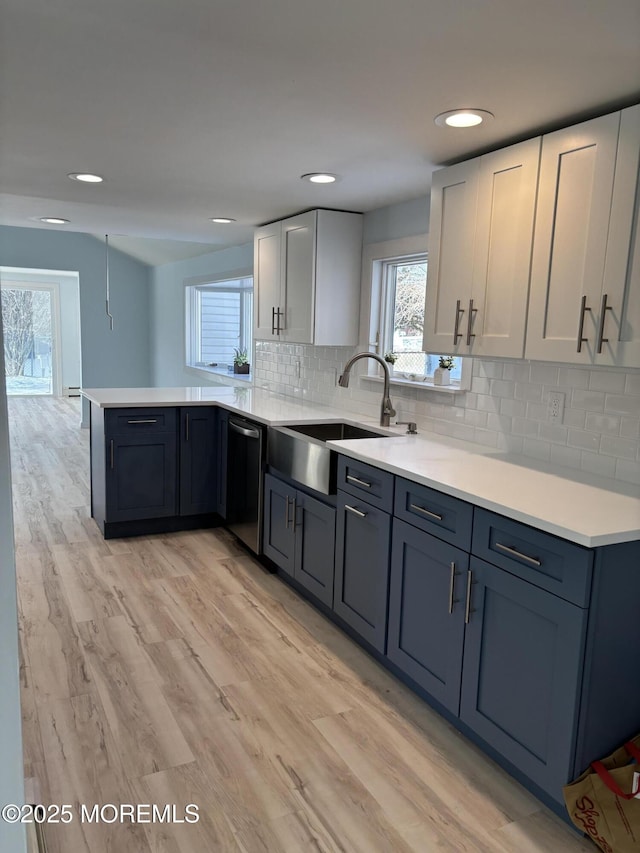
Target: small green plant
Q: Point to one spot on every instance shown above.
(241, 357)
(390, 357)
(446, 362)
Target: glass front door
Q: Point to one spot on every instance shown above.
(28, 320)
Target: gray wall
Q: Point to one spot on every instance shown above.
(168, 310)
(109, 359)
(12, 838)
(405, 219)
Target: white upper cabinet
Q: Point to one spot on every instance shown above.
(585, 277)
(307, 279)
(482, 215)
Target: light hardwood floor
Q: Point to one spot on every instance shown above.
(174, 669)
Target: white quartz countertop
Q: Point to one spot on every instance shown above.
(586, 509)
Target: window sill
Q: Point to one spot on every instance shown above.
(220, 373)
(426, 385)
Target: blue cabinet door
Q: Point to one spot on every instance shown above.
(141, 476)
(361, 586)
(523, 658)
(426, 611)
(223, 422)
(315, 540)
(279, 528)
(198, 460)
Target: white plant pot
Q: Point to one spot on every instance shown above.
(441, 376)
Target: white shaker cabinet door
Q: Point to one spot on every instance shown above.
(575, 189)
(454, 195)
(618, 341)
(502, 257)
(299, 267)
(267, 295)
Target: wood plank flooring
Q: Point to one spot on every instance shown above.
(174, 669)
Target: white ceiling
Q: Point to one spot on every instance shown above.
(197, 108)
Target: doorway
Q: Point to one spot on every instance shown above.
(30, 318)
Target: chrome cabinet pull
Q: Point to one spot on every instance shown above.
(583, 311)
(112, 455)
(468, 610)
(515, 553)
(426, 512)
(273, 319)
(278, 314)
(355, 511)
(603, 313)
(187, 426)
(358, 482)
(472, 312)
(452, 584)
(456, 333)
(288, 521)
(144, 421)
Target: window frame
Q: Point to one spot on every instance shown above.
(375, 308)
(193, 287)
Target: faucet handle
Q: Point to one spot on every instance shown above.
(412, 428)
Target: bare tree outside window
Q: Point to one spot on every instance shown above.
(26, 320)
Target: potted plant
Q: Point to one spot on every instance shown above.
(442, 373)
(241, 361)
(390, 358)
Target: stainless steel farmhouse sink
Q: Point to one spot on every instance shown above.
(299, 451)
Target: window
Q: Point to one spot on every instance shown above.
(404, 284)
(219, 321)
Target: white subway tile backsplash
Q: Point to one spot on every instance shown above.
(590, 400)
(544, 374)
(623, 447)
(505, 409)
(627, 405)
(607, 380)
(603, 423)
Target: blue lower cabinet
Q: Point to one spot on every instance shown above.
(141, 476)
(522, 673)
(315, 546)
(198, 460)
(279, 530)
(426, 611)
(221, 486)
(363, 535)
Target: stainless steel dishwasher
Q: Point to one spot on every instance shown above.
(245, 458)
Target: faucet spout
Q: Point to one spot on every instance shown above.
(386, 410)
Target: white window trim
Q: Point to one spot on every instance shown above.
(374, 256)
(190, 323)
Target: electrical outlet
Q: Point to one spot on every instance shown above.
(555, 407)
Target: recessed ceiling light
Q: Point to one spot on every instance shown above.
(462, 118)
(223, 220)
(320, 178)
(53, 220)
(86, 177)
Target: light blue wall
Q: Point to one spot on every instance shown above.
(12, 836)
(405, 219)
(168, 309)
(109, 359)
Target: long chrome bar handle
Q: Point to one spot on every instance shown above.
(467, 608)
(358, 481)
(583, 311)
(472, 312)
(456, 333)
(286, 512)
(452, 584)
(186, 425)
(273, 319)
(426, 512)
(509, 549)
(603, 313)
(355, 511)
(279, 314)
(112, 455)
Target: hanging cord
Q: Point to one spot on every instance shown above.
(108, 294)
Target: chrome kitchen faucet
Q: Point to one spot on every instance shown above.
(386, 411)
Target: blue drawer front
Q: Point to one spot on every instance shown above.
(540, 558)
(448, 518)
(140, 420)
(366, 482)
